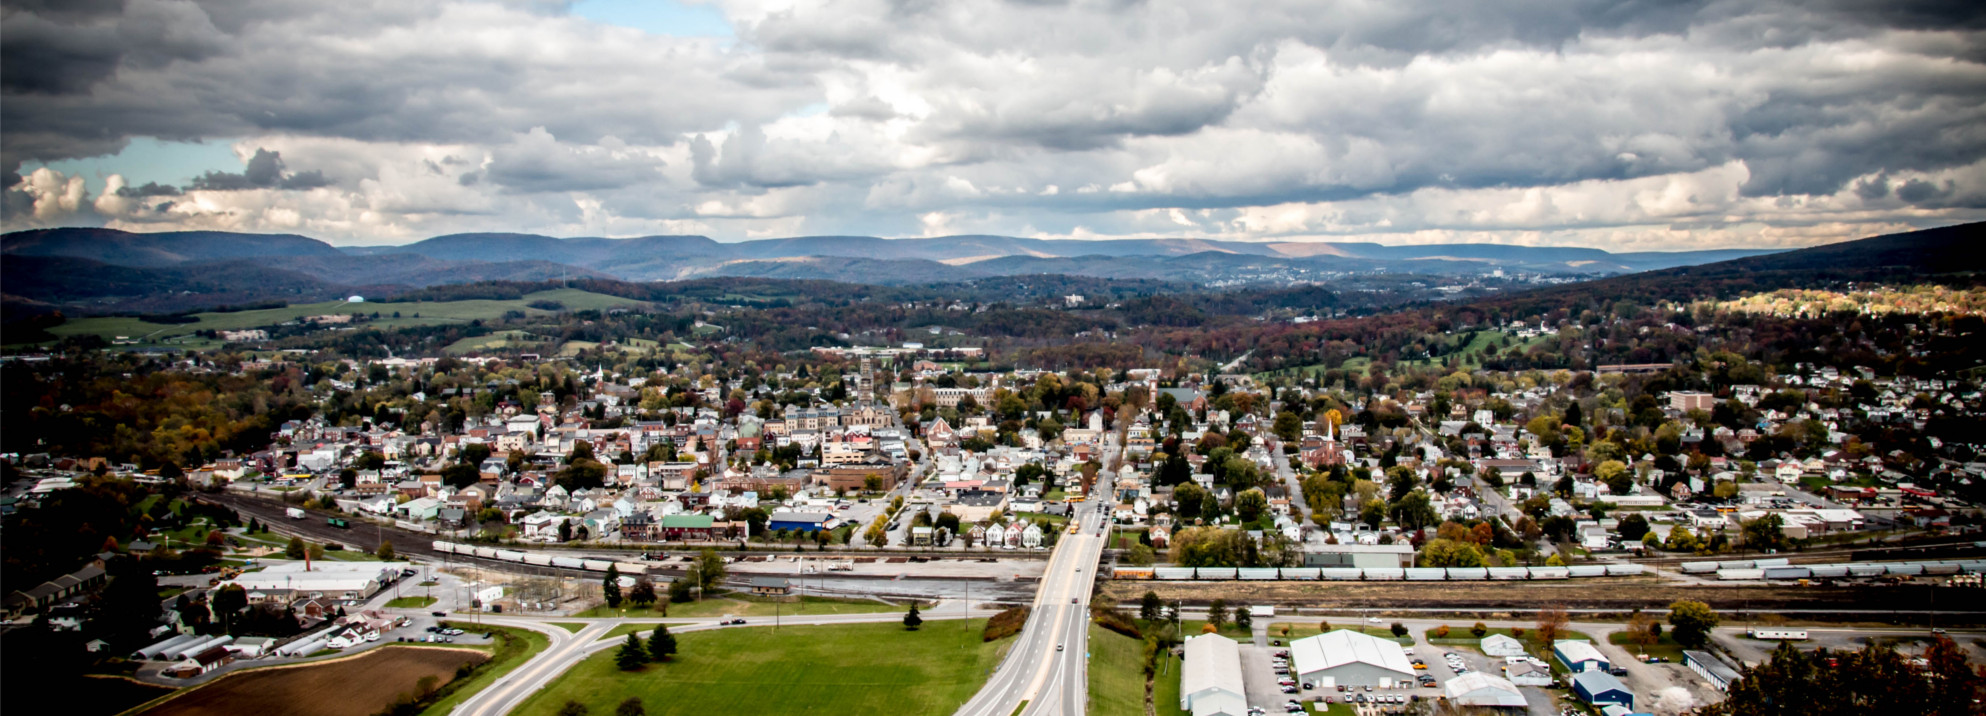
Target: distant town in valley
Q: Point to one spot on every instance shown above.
(1704, 488)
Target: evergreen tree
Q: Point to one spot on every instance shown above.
(631, 707)
(632, 654)
(661, 644)
(611, 587)
(911, 620)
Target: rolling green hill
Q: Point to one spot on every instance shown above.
(412, 313)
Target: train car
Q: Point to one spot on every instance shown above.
(510, 555)
(1787, 572)
(1300, 573)
(1257, 574)
(1774, 562)
(1866, 570)
(1829, 571)
(1426, 574)
(538, 558)
(631, 567)
(596, 565)
(1907, 569)
(1550, 572)
(1699, 567)
(1777, 634)
(1625, 570)
(1131, 573)
(1508, 573)
(1173, 573)
(1740, 575)
(1736, 564)
(1941, 569)
(1339, 574)
(568, 562)
(1586, 570)
(1219, 573)
(444, 547)
(1384, 574)
(485, 552)
(1468, 574)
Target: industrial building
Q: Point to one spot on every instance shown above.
(1578, 656)
(1210, 680)
(1482, 690)
(1349, 658)
(1711, 668)
(1599, 687)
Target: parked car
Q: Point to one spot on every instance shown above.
(440, 614)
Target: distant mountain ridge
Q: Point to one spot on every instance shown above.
(106, 270)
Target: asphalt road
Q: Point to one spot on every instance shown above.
(1048, 668)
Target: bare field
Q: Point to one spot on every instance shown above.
(1625, 594)
(326, 689)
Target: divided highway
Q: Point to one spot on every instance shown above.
(1048, 667)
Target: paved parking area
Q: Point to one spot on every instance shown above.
(1258, 678)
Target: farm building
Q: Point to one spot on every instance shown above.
(1580, 656)
(1502, 645)
(1711, 668)
(1210, 679)
(1351, 658)
(1600, 687)
(1479, 689)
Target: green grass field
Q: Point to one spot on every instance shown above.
(512, 649)
(495, 341)
(1666, 648)
(1299, 630)
(431, 313)
(410, 602)
(838, 669)
(1117, 676)
(573, 627)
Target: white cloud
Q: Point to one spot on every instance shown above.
(1659, 126)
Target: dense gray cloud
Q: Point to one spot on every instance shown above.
(1644, 123)
(264, 171)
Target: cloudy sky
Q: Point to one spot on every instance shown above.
(1649, 125)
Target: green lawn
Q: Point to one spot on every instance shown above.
(837, 669)
(1458, 635)
(1117, 676)
(1666, 647)
(512, 649)
(642, 628)
(573, 627)
(494, 341)
(1299, 630)
(431, 313)
(1165, 687)
(744, 606)
(1337, 709)
(410, 602)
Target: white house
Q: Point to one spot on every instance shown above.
(1349, 657)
